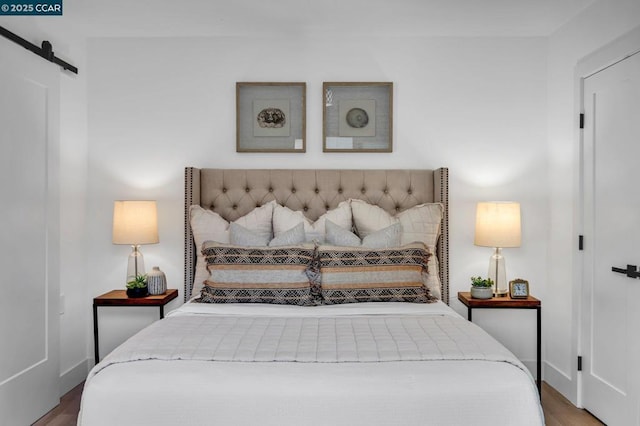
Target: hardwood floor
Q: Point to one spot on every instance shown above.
(558, 411)
(65, 414)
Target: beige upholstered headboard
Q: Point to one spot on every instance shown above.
(233, 193)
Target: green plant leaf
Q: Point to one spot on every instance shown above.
(139, 282)
(481, 282)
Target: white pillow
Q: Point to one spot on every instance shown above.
(388, 237)
(210, 226)
(284, 219)
(419, 223)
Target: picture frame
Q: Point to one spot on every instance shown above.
(357, 117)
(271, 117)
(519, 289)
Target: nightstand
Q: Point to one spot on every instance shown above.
(508, 303)
(120, 298)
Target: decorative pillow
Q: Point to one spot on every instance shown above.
(432, 278)
(210, 226)
(259, 275)
(241, 236)
(352, 275)
(419, 223)
(384, 238)
(339, 236)
(291, 237)
(284, 219)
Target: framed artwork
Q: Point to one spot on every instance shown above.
(357, 117)
(270, 117)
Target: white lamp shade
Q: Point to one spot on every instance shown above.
(498, 224)
(135, 222)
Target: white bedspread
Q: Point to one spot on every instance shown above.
(374, 364)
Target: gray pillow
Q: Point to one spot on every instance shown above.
(384, 238)
(289, 237)
(338, 236)
(241, 236)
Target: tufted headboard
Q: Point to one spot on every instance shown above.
(233, 193)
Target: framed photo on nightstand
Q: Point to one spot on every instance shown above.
(519, 289)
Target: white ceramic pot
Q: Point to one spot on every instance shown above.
(481, 292)
(156, 281)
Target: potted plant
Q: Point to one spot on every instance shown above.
(137, 287)
(481, 288)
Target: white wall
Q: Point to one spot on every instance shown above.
(74, 274)
(596, 26)
(476, 105)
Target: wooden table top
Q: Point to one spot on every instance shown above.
(120, 298)
(498, 302)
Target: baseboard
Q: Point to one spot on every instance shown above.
(73, 376)
(560, 382)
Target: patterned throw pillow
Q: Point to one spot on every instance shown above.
(210, 226)
(352, 275)
(275, 275)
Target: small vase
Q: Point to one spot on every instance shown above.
(156, 281)
(481, 292)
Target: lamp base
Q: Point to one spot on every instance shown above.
(498, 273)
(135, 265)
(501, 294)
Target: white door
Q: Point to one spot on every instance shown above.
(29, 240)
(611, 309)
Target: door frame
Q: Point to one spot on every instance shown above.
(603, 58)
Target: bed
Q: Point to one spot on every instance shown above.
(309, 355)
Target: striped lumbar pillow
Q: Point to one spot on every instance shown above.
(258, 275)
(351, 274)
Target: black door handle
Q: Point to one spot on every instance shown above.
(631, 271)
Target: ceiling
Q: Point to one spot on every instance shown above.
(473, 18)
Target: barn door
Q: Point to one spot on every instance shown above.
(29, 241)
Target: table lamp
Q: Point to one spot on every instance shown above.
(498, 226)
(135, 223)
